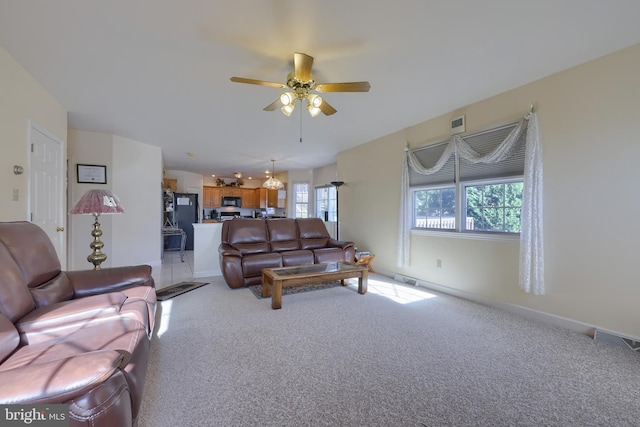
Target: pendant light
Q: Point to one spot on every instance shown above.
(273, 183)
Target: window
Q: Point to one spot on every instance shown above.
(435, 208)
(326, 203)
(488, 197)
(494, 206)
(301, 199)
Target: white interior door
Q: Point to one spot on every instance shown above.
(46, 187)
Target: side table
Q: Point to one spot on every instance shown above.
(366, 261)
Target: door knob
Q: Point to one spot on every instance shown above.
(60, 229)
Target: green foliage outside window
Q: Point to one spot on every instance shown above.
(495, 207)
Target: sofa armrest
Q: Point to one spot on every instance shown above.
(226, 249)
(93, 282)
(58, 380)
(333, 243)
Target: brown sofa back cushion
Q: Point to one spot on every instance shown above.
(283, 234)
(9, 337)
(249, 236)
(38, 259)
(56, 290)
(15, 298)
(313, 233)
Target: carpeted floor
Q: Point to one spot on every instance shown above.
(397, 356)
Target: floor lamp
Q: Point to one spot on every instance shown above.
(96, 202)
(337, 184)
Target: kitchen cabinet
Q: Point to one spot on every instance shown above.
(211, 197)
(231, 192)
(171, 184)
(249, 198)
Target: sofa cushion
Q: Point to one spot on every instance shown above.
(9, 338)
(313, 233)
(249, 236)
(58, 379)
(283, 234)
(38, 259)
(122, 335)
(324, 255)
(69, 314)
(293, 258)
(252, 265)
(15, 298)
(55, 290)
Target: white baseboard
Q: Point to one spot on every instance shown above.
(525, 312)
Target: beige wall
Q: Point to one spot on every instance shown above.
(134, 174)
(22, 99)
(589, 119)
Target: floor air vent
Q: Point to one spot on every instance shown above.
(405, 279)
(618, 340)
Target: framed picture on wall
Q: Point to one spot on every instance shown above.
(92, 174)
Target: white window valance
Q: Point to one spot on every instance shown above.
(531, 236)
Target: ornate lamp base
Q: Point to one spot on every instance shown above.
(96, 257)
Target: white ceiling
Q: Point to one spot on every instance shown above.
(157, 71)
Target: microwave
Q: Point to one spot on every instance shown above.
(232, 201)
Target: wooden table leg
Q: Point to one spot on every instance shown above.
(266, 286)
(276, 295)
(363, 282)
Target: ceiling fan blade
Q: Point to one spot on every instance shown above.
(257, 82)
(273, 106)
(327, 109)
(302, 66)
(343, 87)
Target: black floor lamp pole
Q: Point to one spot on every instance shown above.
(337, 184)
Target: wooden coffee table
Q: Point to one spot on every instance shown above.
(274, 279)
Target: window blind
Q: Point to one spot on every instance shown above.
(484, 143)
(429, 156)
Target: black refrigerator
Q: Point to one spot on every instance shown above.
(185, 206)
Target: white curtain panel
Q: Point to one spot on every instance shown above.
(531, 243)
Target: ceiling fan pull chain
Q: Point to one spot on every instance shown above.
(300, 124)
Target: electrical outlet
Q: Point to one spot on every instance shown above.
(439, 263)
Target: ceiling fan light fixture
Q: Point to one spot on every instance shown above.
(315, 100)
(313, 104)
(288, 101)
(302, 81)
(287, 98)
(287, 109)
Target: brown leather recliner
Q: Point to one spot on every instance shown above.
(249, 245)
(76, 337)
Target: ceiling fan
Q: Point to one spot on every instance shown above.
(301, 84)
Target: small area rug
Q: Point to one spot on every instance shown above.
(177, 289)
(257, 289)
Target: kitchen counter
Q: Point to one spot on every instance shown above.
(206, 262)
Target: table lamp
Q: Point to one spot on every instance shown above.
(96, 202)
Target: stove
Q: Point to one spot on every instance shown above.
(229, 215)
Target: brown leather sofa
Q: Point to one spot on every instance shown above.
(249, 245)
(73, 337)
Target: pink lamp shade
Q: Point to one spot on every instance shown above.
(98, 202)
